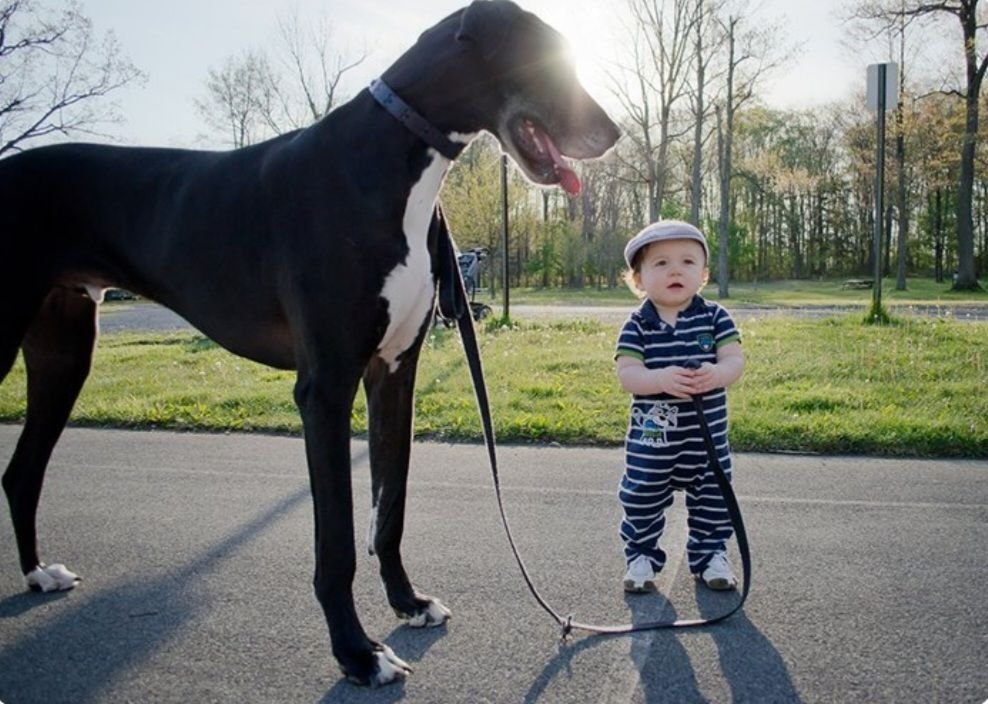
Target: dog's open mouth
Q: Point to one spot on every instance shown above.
(542, 158)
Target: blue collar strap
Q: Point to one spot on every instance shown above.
(415, 123)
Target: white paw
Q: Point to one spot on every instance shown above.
(389, 667)
(435, 615)
(51, 578)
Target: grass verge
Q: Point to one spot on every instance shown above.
(912, 388)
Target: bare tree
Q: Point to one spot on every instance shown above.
(751, 51)
(864, 31)
(239, 97)
(55, 74)
(965, 12)
(662, 59)
(703, 56)
(254, 97)
(315, 70)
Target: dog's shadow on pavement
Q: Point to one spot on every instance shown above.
(750, 665)
(96, 637)
(19, 604)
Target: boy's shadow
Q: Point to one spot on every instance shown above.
(670, 672)
(750, 664)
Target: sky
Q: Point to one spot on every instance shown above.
(175, 44)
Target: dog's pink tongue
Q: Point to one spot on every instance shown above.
(568, 180)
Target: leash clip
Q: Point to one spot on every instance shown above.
(567, 628)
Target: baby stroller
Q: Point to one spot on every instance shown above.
(471, 264)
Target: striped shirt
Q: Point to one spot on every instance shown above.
(660, 422)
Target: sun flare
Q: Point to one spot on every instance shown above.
(590, 31)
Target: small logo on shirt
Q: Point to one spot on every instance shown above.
(706, 342)
(652, 425)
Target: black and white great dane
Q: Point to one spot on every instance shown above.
(315, 251)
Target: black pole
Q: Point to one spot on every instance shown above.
(504, 233)
(879, 193)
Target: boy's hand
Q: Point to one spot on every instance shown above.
(705, 379)
(677, 381)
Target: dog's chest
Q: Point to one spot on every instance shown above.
(409, 288)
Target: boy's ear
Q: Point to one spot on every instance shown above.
(706, 275)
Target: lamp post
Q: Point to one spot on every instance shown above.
(504, 235)
(882, 94)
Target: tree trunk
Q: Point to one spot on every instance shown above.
(902, 254)
(695, 168)
(938, 235)
(966, 277)
(724, 180)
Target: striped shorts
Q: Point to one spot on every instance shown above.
(652, 475)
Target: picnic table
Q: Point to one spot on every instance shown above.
(858, 283)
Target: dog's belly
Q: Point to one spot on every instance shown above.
(409, 288)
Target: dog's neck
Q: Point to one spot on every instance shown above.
(414, 122)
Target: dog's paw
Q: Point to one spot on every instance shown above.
(51, 578)
(386, 669)
(433, 614)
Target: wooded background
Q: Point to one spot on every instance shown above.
(780, 194)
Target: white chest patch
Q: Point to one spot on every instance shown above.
(409, 289)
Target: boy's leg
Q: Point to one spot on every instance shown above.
(645, 493)
(708, 520)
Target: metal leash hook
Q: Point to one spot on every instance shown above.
(567, 628)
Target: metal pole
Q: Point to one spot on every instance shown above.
(879, 193)
(504, 233)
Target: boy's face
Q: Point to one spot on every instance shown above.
(671, 272)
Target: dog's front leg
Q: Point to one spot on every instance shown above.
(390, 399)
(325, 404)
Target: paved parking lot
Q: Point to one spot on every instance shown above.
(868, 581)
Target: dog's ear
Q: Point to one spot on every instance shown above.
(486, 24)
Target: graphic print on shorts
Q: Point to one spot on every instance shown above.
(651, 425)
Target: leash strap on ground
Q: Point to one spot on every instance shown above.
(453, 303)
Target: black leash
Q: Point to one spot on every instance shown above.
(453, 305)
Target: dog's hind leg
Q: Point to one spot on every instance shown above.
(58, 351)
(390, 397)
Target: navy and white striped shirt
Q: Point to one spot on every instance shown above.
(664, 423)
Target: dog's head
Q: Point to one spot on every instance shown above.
(540, 112)
(495, 67)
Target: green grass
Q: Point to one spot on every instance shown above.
(914, 388)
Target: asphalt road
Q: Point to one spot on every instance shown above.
(869, 581)
(145, 315)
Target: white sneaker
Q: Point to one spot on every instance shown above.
(718, 575)
(639, 576)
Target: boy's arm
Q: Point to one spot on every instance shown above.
(637, 379)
